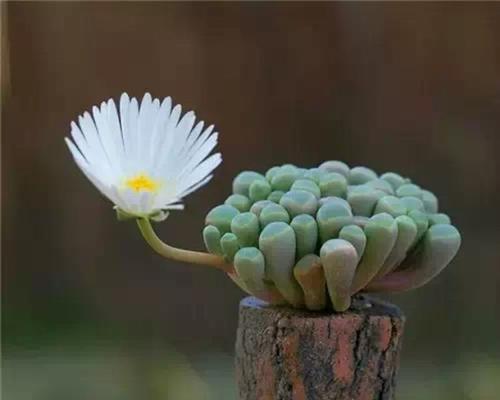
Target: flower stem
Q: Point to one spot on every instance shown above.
(192, 257)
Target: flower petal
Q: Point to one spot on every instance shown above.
(148, 143)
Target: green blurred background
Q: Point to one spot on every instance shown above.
(90, 313)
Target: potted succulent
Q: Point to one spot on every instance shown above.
(307, 244)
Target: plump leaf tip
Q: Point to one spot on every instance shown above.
(312, 238)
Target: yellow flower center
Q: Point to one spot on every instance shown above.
(142, 183)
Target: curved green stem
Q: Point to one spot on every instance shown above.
(192, 257)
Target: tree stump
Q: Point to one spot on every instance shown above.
(288, 354)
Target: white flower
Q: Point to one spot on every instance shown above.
(146, 158)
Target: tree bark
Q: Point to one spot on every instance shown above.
(288, 354)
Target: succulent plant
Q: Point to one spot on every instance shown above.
(306, 237)
(313, 238)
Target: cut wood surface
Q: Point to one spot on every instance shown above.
(288, 354)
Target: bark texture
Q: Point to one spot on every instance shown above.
(287, 354)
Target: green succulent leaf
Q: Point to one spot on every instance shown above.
(407, 233)
(421, 221)
(258, 206)
(275, 196)
(395, 180)
(230, 245)
(314, 174)
(333, 184)
(363, 199)
(250, 266)
(438, 247)
(331, 218)
(238, 201)
(390, 205)
(298, 202)
(360, 175)
(308, 186)
(309, 274)
(277, 243)
(211, 238)
(381, 234)
(246, 228)
(430, 202)
(336, 200)
(409, 190)
(335, 166)
(259, 190)
(221, 217)
(382, 185)
(284, 178)
(241, 184)
(273, 213)
(356, 236)
(339, 259)
(413, 203)
(271, 172)
(306, 234)
(439, 218)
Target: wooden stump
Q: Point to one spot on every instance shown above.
(287, 354)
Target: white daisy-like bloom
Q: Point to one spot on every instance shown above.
(145, 158)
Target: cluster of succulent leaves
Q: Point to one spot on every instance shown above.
(312, 238)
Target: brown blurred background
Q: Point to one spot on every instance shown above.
(89, 312)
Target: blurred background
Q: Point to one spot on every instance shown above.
(89, 312)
